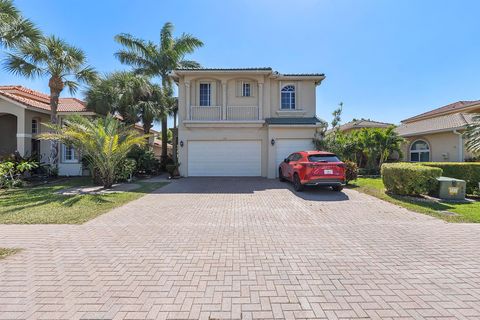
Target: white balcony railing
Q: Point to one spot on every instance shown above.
(242, 113)
(206, 113)
(229, 113)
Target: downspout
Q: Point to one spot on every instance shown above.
(460, 145)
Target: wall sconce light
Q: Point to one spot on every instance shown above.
(181, 143)
(272, 142)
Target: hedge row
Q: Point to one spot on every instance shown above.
(410, 178)
(468, 171)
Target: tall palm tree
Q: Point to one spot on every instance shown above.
(104, 141)
(64, 66)
(14, 28)
(472, 134)
(157, 60)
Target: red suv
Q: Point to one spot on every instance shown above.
(313, 168)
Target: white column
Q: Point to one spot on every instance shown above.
(260, 100)
(224, 100)
(187, 99)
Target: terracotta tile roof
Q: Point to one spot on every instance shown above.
(437, 124)
(39, 100)
(450, 108)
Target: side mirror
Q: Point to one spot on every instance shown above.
(286, 160)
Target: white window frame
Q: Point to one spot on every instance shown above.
(64, 154)
(209, 94)
(419, 152)
(290, 98)
(35, 121)
(244, 83)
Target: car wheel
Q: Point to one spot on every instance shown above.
(297, 185)
(280, 175)
(337, 188)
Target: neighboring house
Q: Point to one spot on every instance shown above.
(22, 113)
(243, 122)
(360, 124)
(437, 135)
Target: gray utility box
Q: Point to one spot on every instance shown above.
(451, 188)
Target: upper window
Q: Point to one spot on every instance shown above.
(288, 97)
(419, 151)
(34, 126)
(69, 154)
(205, 94)
(246, 89)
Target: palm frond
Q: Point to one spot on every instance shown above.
(189, 64)
(19, 65)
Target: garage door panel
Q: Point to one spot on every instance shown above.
(224, 158)
(285, 147)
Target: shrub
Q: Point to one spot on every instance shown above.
(409, 178)
(126, 170)
(351, 171)
(468, 171)
(145, 159)
(11, 172)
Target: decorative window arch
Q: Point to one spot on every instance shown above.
(288, 97)
(419, 151)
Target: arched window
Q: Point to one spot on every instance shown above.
(288, 97)
(419, 151)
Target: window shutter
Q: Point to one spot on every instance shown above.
(253, 89)
(238, 88)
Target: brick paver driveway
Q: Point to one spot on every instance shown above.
(244, 248)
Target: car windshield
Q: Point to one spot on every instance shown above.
(323, 158)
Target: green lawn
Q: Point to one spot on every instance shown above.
(41, 205)
(467, 212)
(6, 252)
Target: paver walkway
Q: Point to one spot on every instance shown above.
(242, 249)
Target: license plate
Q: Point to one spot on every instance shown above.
(327, 171)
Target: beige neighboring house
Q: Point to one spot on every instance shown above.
(360, 124)
(243, 122)
(437, 135)
(22, 113)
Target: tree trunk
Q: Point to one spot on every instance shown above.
(56, 86)
(164, 141)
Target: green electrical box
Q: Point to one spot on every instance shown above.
(451, 188)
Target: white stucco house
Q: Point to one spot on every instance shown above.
(243, 122)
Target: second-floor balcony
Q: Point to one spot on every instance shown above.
(220, 113)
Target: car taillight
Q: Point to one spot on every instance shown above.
(341, 165)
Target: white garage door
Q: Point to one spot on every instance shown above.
(224, 158)
(285, 147)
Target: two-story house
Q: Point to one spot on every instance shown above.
(243, 122)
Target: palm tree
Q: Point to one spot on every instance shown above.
(64, 65)
(154, 60)
(472, 134)
(15, 29)
(104, 141)
(129, 95)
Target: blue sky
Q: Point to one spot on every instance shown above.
(384, 59)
